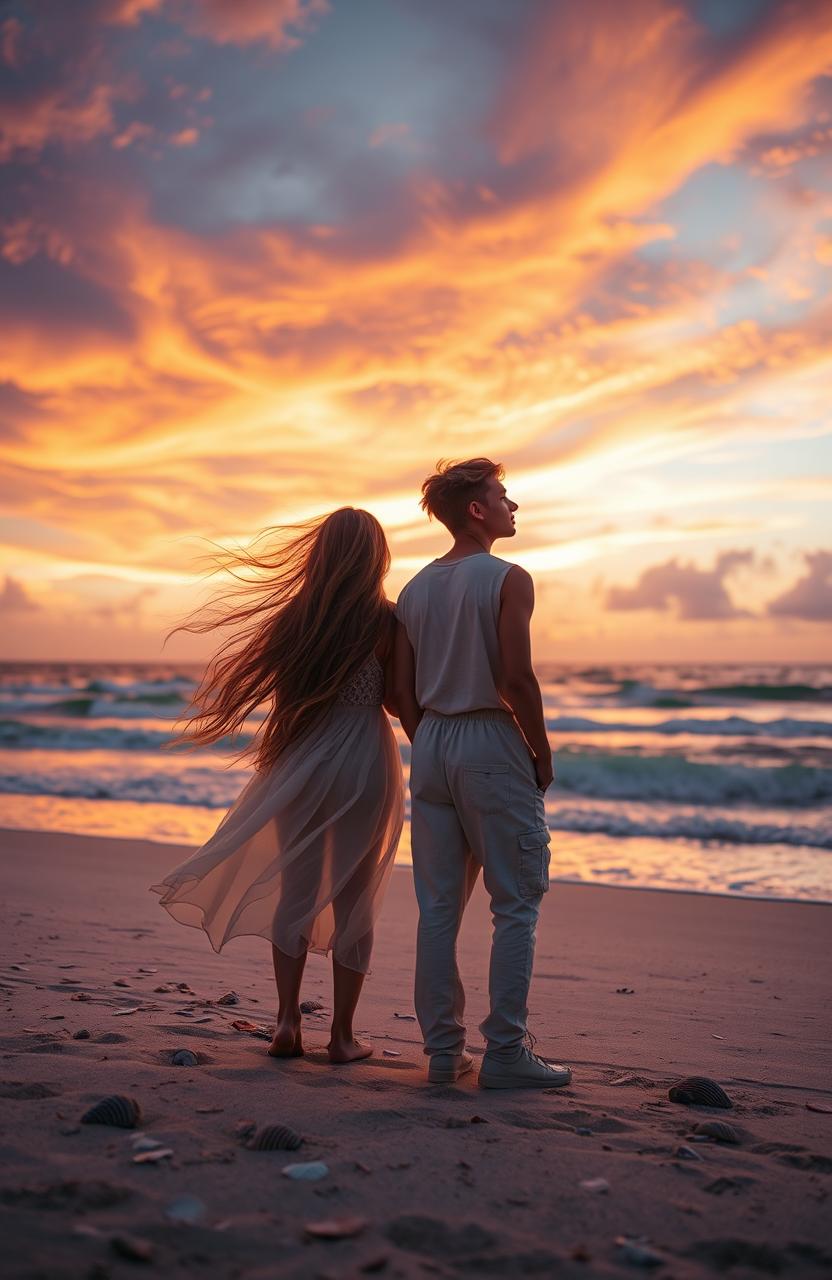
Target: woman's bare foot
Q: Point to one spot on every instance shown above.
(287, 1041)
(348, 1050)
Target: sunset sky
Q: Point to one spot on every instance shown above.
(262, 258)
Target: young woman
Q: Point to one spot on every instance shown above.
(303, 856)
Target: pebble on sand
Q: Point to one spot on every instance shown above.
(637, 1252)
(597, 1185)
(134, 1248)
(186, 1208)
(153, 1156)
(308, 1171)
(144, 1142)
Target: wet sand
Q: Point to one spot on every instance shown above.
(634, 989)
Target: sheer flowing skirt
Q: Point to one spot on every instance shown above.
(303, 856)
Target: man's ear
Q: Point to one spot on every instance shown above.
(475, 510)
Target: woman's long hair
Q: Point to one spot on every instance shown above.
(307, 608)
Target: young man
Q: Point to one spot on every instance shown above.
(480, 765)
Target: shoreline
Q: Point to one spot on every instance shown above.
(12, 832)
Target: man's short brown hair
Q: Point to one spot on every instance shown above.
(447, 493)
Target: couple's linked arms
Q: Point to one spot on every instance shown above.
(404, 683)
(518, 686)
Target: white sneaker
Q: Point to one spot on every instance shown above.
(526, 1072)
(446, 1068)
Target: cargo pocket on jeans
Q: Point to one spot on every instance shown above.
(486, 787)
(533, 873)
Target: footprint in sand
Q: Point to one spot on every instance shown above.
(27, 1091)
(724, 1254)
(73, 1196)
(439, 1239)
(43, 1044)
(202, 1033)
(733, 1186)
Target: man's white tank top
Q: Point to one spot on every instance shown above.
(450, 611)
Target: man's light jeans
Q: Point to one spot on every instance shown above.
(475, 803)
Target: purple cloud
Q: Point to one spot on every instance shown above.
(13, 598)
(810, 598)
(698, 594)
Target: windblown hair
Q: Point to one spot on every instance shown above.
(447, 493)
(306, 609)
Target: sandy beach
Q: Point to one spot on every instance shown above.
(635, 989)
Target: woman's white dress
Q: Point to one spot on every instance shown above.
(303, 856)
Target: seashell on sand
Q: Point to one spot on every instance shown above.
(311, 1006)
(717, 1129)
(184, 1058)
(699, 1091)
(275, 1137)
(118, 1110)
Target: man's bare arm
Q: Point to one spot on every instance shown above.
(404, 682)
(518, 683)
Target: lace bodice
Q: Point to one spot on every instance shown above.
(365, 688)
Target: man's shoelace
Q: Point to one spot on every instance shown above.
(529, 1042)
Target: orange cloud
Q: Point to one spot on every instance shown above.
(166, 381)
(58, 116)
(276, 23)
(185, 138)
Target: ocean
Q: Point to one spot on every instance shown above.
(716, 779)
